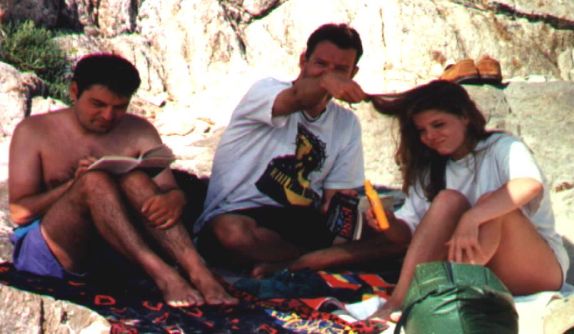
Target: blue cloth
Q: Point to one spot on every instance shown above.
(287, 284)
(31, 253)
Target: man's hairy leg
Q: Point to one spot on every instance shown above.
(175, 240)
(240, 236)
(94, 205)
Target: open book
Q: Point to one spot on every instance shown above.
(152, 161)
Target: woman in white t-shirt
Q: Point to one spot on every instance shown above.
(473, 196)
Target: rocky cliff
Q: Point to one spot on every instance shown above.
(198, 57)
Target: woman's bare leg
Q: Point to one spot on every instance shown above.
(513, 250)
(523, 260)
(428, 242)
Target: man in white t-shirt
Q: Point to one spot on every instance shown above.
(286, 151)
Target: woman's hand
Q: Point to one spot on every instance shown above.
(464, 245)
(164, 210)
(398, 231)
(369, 216)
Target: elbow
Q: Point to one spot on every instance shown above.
(535, 189)
(19, 215)
(538, 188)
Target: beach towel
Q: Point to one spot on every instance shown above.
(283, 303)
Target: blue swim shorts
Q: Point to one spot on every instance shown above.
(31, 253)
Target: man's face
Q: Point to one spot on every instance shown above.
(328, 57)
(99, 109)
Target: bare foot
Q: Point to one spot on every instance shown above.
(387, 312)
(177, 292)
(263, 269)
(211, 290)
(396, 316)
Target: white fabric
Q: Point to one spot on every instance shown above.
(499, 159)
(253, 139)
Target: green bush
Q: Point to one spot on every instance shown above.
(31, 48)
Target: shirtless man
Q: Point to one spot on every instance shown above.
(63, 209)
(286, 151)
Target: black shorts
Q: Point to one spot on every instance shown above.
(302, 226)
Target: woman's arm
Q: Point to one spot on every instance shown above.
(511, 196)
(464, 245)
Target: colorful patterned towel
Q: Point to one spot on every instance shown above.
(285, 303)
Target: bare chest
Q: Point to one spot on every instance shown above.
(61, 154)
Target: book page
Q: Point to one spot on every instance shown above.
(152, 161)
(115, 164)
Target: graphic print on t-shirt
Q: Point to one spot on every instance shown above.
(286, 179)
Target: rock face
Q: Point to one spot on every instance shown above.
(198, 57)
(24, 312)
(17, 90)
(194, 52)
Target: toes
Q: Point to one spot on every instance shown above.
(227, 300)
(190, 300)
(230, 300)
(214, 301)
(198, 300)
(395, 316)
(179, 303)
(221, 298)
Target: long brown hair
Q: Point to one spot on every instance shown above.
(418, 163)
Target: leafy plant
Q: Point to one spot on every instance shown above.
(31, 48)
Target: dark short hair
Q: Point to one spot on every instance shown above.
(342, 35)
(109, 70)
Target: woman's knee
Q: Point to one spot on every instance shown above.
(451, 199)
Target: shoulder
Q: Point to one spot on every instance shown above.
(259, 100)
(507, 148)
(136, 122)
(136, 129)
(267, 87)
(270, 82)
(499, 140)
(38, 124)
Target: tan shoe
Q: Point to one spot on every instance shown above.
(461, 72)
(489, 69)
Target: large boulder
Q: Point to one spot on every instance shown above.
(17, 90)
(25, 312)
(203, 55)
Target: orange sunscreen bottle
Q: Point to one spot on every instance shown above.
(377, 206)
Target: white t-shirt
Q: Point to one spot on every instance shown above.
(499, 158)
(279, 161)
